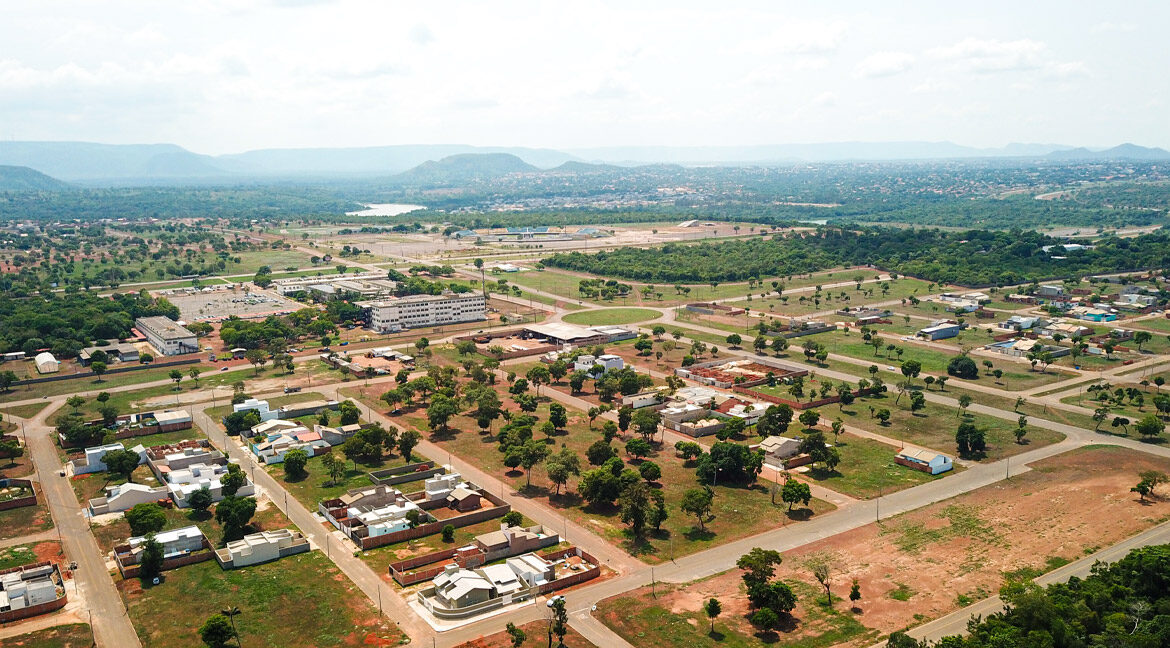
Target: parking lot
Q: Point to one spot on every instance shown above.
(213, 306)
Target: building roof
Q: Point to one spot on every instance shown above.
(44, 356)
(925, 456)
(172, 416)
(164, 327)
(562, 331)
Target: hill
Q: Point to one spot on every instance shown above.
(370, 160)
(86, 161)
(463, 168)
(22, 178)
(1125, 151)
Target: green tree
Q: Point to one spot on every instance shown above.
(440, 411)
(713, 608)
(407, 442)
(532, 453)
(634, 501)
(217, 632)
(98, 369)
(1150, 426)
(334, 467)
(295, 461)
(121, 462)
(515, 635)
(448, 533)
(561, 465)
(75, 401)
(233, 481)
(234, 513)
(201, 500)
(152, 559)
(512, 519)
(698, 502)
(146, 518)
(795, 492)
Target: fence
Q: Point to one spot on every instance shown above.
(113, 370)
(41, 608)
(328, 508)
(18, 502)
(407, 473)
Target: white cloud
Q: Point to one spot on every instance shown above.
(883, 64)
(1105, 27)
(994, 55)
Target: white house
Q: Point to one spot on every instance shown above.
(532, 569)
(185, 481)
(124, 497)
(779, 447)
(440, 486)
(607, 362)
(642, 399)
(262, 547)
(175, 543)
(94, 459)
(261, 407)
(272, 447)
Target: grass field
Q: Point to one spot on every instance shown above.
(316, 486)
(612, 316)
(867, 467)
(28, 410)
(73, 635)
(299, 601)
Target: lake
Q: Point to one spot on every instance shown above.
(386, 209)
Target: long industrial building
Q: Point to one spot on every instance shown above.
(415, 311)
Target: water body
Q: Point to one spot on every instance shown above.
(385, 209)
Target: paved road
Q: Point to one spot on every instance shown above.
(111, 626)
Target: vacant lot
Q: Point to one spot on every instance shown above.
(612, 316)
(536, 631)
(24, 521)
(302, 600)
(1066, 507)
(867, 467)
(73, 635)
(318, 486)
(31, 553)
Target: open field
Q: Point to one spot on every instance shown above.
(612, 316)
(317, 486)
(1020, 527)
(28, 410)
(302, 600)
(867, 467)
(934, 426)
(73, 635)
(24, 521)
(31, 553)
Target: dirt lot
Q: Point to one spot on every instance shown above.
(537, 632)
(930, 562)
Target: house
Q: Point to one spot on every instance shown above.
(185, 481)
(46, 363)
(464, 499)
(120, 352)
(171, 420)
(531, 569)
(30, 590)
(272, 426)
(642, 399)
(927, 461)
(1019, 323)
(940, 331)
(608, 362)
(124, 497)
(175, 543)
(381, 509)
(261, 547)
(273, 446)
(261, 407)
(441, 486)
(93, 461)
(977, 297)
(1067, 329)
(779, 447)
(1017, 298)
(167, 335)
(510, 541)
(1050, 290)
(1092, 314)
(460, 588)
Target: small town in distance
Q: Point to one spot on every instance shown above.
(853, 368)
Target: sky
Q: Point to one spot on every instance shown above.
(223, 76)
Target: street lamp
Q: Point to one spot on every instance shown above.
(715, 477)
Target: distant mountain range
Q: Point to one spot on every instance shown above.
(21, 178)
(102, 164)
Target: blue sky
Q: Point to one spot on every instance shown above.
(229, 75)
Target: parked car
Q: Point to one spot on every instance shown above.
(291, 390)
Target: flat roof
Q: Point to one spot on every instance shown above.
(164, 327)
(562, 331)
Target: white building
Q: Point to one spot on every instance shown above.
(261, 407)
(93, 460)
(185, 481)
(608, 362)
(27, 587)
(167, 335)
(46, 363)
(176, 542)
(415, 311)
(262, 547)
(272, 447)
(124, 497)
(440, 486)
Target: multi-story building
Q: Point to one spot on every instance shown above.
(415, 311)
(166, 335)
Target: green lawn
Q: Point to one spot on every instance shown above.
(611, 316)
(73, 635)
(867, 466)
(116, 530)
(27, 411)
(302, 600)
(317, 486)
(18, 555)
(1156, 324)
(934, 426)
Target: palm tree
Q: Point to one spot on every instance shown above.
(231, 613)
